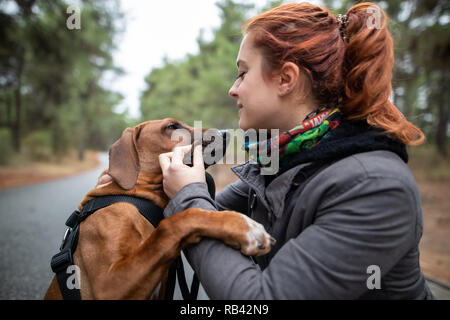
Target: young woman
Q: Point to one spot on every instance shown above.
(344, 207)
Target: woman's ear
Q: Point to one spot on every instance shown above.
(295, 79)
(288, 78)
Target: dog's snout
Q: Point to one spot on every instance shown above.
(214, 144)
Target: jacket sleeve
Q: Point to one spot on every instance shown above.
(328, 260)
(232, 197)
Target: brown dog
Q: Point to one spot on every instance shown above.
(119, 253)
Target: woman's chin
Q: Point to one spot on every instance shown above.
(241, 124)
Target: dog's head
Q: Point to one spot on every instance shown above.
(139, 147)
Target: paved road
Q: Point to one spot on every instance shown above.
(31, 227)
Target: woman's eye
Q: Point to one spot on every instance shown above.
(241, 75)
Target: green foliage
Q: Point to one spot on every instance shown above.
(196, 88)
(51, 75)
(38, 145)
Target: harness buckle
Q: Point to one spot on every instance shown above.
(74, 219)
(61, 260)
(66, 234)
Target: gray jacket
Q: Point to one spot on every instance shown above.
(357, 216)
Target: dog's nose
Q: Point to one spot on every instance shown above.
(220, 140)
(214, 144)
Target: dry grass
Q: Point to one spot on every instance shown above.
(23, 172)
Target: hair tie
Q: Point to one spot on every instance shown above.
(343, 21)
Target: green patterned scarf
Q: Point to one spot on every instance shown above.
(304, 136)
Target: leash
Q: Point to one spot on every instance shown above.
(64, 259)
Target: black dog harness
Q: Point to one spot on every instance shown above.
(64, 259)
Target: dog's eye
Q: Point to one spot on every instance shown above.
(173, 126)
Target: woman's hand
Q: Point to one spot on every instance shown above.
(176, 174)
(104, 179)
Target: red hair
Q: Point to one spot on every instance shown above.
(356, 76)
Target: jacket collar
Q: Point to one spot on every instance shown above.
(272, 196)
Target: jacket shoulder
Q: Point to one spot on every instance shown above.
(377, 170)
(373, 164)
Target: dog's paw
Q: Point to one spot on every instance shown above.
(258, 241)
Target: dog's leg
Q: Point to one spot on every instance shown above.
(233, 228)
(146, 266)
(53, 292)
(118, 260)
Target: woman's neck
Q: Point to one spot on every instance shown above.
(295, 113)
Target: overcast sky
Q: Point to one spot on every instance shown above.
(155, 29)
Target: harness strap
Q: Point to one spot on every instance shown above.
(60, 264)
(182, 281)
(148, 209)
(64, 259)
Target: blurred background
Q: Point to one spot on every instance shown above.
(74, 74)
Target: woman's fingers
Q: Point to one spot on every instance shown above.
(175, 157)
(104, 179)
(198, 156)
(164, 161)
(178, 154)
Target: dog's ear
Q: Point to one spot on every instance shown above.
(124, 160)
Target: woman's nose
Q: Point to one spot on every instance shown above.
(233, 91)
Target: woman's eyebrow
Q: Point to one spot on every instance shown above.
(241, 61)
